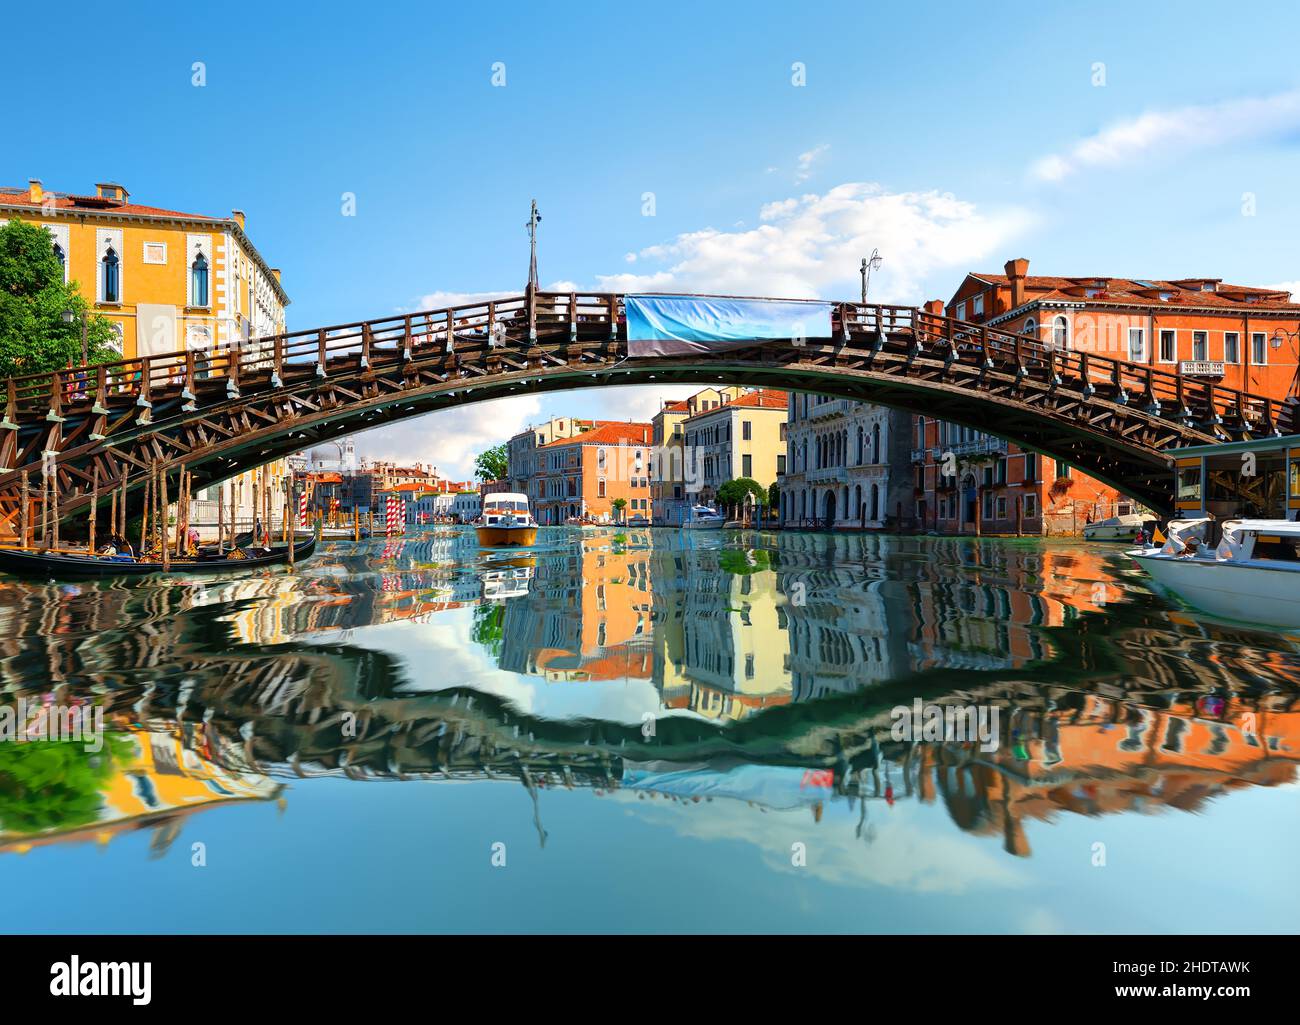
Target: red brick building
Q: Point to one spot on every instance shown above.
(1240, 336)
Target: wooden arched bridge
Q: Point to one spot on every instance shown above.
(221, 413)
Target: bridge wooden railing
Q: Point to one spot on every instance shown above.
(516, 322)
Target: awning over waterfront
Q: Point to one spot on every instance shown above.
(663, 325)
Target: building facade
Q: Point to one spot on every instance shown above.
(167, 281)
(583, 476)
(521, 450)
(164, 280)
(668, 500)
(847, 465)
(1202, 329)
(744, 436)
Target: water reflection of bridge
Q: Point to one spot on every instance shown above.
(1102, 719)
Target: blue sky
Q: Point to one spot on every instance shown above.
(950, 136)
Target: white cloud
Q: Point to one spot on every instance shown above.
(451, 438)
(1166, 133)
(806, 246)
(810, 246)
(1290, 286)
(804, 171)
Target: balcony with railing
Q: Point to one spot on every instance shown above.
(828, 475)
(830, 409)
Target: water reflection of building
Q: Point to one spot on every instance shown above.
(587, 615)
(983, 605)
(1106, 756)
(846, 633)
(160, 773)
(721, 643)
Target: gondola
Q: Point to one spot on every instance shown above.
(21, 562)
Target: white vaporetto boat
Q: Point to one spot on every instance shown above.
(1252, 575)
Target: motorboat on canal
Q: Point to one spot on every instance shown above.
(505, 521)
(1115, 528)
(1252, 575)
(703, 517)
(1233, 548)
(65, 563)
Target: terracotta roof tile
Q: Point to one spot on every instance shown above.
(23, 197)
(1146, 291)
(610, 432)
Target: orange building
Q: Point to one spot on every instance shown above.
(1239, 336)
(586, 474)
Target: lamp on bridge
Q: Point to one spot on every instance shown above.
(869, 264)
(534, 219)
(69, 316)
(1280, 336)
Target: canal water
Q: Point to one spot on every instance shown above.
(650, 730)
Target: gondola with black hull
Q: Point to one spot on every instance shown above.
(51, 564)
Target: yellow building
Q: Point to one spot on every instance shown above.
(743, 437)
(165, 280)
(668, 501)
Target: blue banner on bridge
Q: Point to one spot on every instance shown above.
(668, 325)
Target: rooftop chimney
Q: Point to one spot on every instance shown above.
(276, 272)
(1016, 271)
(37, 192)
(238, 215)
(934, 307)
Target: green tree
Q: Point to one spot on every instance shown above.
(732, 493)
(774, 497)
(619, 505)
(34, 337)
(493, 464)
(488, 628)
(56, 785)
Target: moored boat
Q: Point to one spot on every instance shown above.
(62, 564)
(1252, 575)
(505, 521)
(703, 517)
(1234, 549)
(1114, 528)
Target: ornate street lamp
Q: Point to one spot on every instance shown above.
(69, 317)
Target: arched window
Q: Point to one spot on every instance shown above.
(875, 443)
(1060, 333)
(199, 281)
(861, 454)
(112, 281)
(58, 251)
(875, 501)
(1030, 328)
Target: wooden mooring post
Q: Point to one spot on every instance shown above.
(24, 515)
(94, 505)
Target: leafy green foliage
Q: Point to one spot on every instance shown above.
(743, 563)
(489, 627)
(733, 492)
(54, 784)
(493, 464)
(34, 339)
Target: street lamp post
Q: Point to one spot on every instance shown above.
(69, 316)
(869, 264)
(1280, 336)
